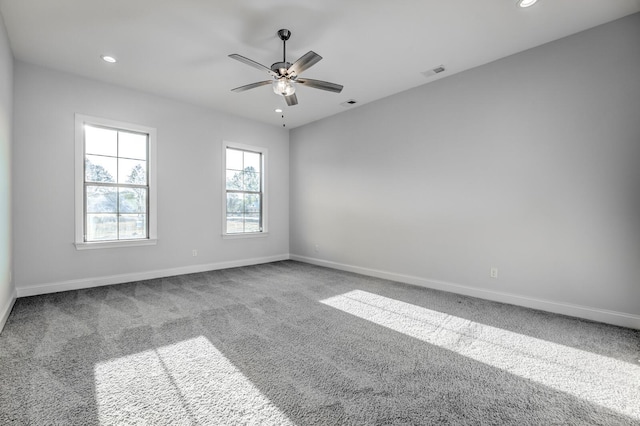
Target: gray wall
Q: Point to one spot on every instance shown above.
(7, 291)
(530, 164)
(189, 185)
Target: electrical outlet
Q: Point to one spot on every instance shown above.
(194, 252)
(494, 272)
(316, 248)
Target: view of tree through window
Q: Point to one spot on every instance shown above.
(244, 185)
(116, 184)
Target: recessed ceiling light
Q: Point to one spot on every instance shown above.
(526, 3)
(278, 110)
(109, 59)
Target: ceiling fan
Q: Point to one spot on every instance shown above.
(286, 75)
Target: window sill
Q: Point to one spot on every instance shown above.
(115, 244)
(248, 235)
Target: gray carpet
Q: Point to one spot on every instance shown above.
(290, 343)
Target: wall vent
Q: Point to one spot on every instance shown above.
(349, 103)
(434, 71)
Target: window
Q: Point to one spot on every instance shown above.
(244, 193)
(115, 184)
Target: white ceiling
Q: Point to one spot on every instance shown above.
(375, 48)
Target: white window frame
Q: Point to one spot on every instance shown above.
(152, 213)
(265, 190)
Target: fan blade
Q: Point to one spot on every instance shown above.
(306, 61)
(253, 63)
(291, 100)
(319, 84)
(251, 86)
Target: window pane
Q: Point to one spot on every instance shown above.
(100, 169)
(133, 200)
(132, 145)
(102, 227)
(100, 141)
(252, 160)
(234, 180)
(252, 203)
(251, 181)
(132, 171)
(234, 159)
(133, 226)
(235, 224)
(101, 199)
(235, 203)
(252, 222)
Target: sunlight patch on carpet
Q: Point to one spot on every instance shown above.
(598, 379)
(184, 383)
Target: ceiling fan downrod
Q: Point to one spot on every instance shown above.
(284, 35)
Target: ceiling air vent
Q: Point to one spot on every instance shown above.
(434, 71)
(349, 103)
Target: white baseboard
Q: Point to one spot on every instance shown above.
(34, 290)
(594, 314)
(6, 309)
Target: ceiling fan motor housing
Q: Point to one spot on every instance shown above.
(281, 68)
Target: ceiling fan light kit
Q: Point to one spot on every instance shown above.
(285, 75)
(284, 87)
